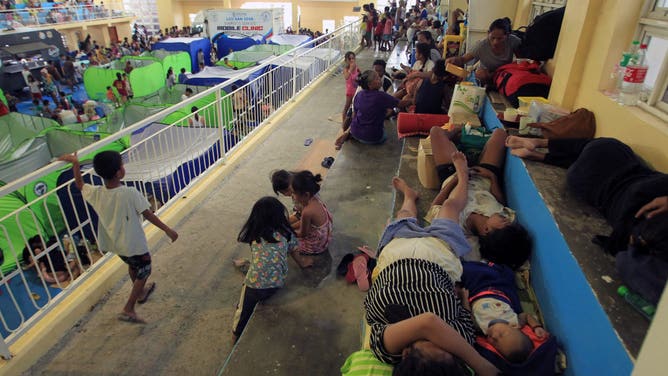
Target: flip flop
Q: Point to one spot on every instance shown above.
(327, 162)
(308, 141)
(148, 293)
(131, 319)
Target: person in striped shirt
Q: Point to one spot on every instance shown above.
(416, 317)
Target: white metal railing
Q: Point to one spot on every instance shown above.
(163, 162)
(50, 14)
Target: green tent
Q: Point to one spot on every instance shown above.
(144, 79)
(12, 227)
(2, 97)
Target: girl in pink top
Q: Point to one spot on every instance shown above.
(314, 230)
(350, 73)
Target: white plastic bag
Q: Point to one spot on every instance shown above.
(467, 99)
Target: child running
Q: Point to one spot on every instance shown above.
(270, 237)
(350, 73)
(120, 231)
(314, 229)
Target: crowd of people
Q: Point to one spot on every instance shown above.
(61, 11)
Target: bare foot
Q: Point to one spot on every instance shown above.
(400, 185)
(131, 318)
(515, 142)
(526, 153)
(459, 160)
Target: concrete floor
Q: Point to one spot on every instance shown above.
(309, 327)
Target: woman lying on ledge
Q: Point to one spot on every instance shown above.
(633, 198)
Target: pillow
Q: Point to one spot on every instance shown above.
(363, 363)
(410, 124)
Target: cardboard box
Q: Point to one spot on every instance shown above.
(426, 167)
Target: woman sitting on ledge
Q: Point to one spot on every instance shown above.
(608, 175)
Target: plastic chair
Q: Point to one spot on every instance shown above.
(455, 39)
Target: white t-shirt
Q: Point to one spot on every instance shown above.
(481, 201)
(119, 228)
(488, 309)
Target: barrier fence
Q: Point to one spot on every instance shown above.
(49, 242)
(49, 14)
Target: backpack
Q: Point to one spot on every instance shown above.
(539, 40)
(521, 80)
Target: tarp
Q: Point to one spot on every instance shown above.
(190, 45)
(291, 39)
(212, 76)
(244, 59)
(23, 148)
(166, 96)
(230, 43)
(276, 49)
(164, 175)
(174, 59)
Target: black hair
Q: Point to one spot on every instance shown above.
(510, 245)
(348, 55)
(380, 62)
(365, 78)
(107, 163)
(651, 236)
(427, 35)
(436, 24)
(424, 49)
(520, 355)
(267, 216)
(118, 76)
(183, 70)
(501, 24)
(305, 182)
(193, 109)
(280, 180)
(188, 90)
(439, 68)
(416, 364)
(34, 242)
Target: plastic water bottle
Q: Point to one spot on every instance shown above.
(646, 308)
(634, 78)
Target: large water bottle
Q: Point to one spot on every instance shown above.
(634, 78)
(618, 72)
(646, 308)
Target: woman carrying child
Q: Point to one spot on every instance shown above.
(271, 238)
(314, 229)
(350, 73)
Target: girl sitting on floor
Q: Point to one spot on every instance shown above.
(314, 229)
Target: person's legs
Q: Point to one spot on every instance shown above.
(442, 148)
(408, 206)
(494, 152)
(346, 106)
(250, 297)
(561, 152)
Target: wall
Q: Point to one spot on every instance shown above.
(593, 35)
(313, 12)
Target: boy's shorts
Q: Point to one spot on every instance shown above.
(141, 264)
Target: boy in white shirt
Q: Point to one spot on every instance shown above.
(120, 230)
